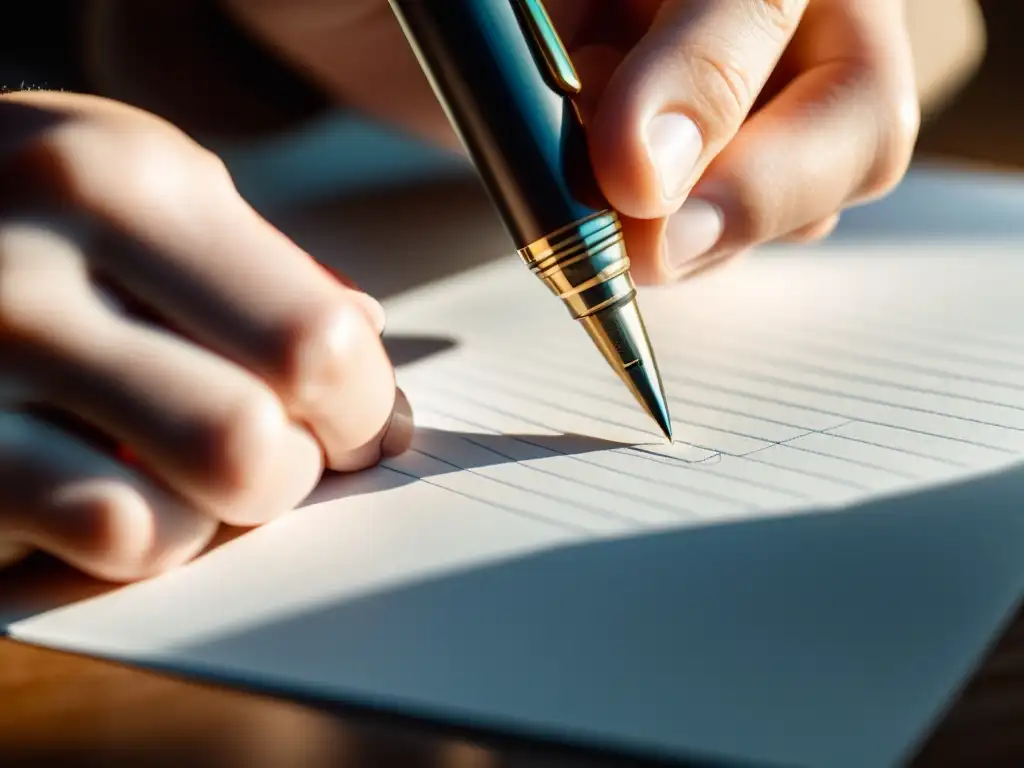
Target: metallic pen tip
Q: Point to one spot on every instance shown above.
(646, 387)
(649, 393)
(622, 338)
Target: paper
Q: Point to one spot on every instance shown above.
(803, 578)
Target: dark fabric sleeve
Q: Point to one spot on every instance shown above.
(188, 62)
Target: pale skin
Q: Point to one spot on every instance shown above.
(141, 294)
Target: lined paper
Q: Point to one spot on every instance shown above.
(803, 578)
(793, 384)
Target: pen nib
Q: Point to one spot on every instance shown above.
(620, 334)
(647, 389)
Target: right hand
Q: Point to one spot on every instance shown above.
(141, 297)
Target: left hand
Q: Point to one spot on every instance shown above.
(715, 125)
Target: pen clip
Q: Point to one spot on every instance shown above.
(549, 46)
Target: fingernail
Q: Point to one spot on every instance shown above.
(691, 232)
(399, 435)
(674, 144)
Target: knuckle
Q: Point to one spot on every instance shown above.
(24, 299)
(729, 87)
(727, 83)
(125, 535)
(319, 350)
(241, 446)
(107, 168)
(725, 89)
(779, 16)
(43, 277)
(19, 311)
(117, 532)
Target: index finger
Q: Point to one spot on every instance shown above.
(682, 94)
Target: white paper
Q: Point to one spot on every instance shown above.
(804, 577)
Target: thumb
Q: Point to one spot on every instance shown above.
(681, 95)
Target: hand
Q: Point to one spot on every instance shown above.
(144, 305)
(716, 125)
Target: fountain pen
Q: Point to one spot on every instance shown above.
(508, 88)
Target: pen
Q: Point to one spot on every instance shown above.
(507, 86)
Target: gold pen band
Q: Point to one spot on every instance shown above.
(584, 264)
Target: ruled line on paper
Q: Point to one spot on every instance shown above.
(617, 485)
(895, 378)
(842, 486)
(536, 491)
(771, 416)
(640, 454)
(901, 333)
(537, 518)
(627, 416)
(837, 450)
(807, 383)
(728, 470)
(626, 431)
(725, 470)
(599, 389)
(607, 383)
(615, 464)
(505, 495)
(761, 395)
(863, 374)
(843, 405)
(838, 399)
(832, 337)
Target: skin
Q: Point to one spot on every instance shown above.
(140, 294)
(804, 107)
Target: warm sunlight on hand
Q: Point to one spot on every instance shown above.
(716, 125)
(170, 360)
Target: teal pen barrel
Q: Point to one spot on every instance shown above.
(521, 130)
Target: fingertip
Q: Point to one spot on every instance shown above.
(644, 243)
(711, 262)
(691, 234)
(120, 532)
